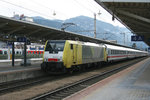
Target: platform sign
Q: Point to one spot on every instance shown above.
(28, 42)
(137, 38)
(21, 39)
(148, 48)
(9, 43)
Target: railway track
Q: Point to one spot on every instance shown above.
(65, 91)
(22, 84)
(15, 85)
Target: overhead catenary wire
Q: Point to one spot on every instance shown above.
(92, 12)
(26, 8)
(91, 4)
(84, 6)
(40, 4)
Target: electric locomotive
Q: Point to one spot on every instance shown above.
(68, 55)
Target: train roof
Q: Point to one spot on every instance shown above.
(115, 47)
(56, 40)
(122, 48)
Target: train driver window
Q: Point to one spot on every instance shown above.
(71, 46)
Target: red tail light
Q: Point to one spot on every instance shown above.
(52, 59)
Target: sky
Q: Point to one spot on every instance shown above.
(56, 9)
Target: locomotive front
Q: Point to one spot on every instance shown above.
(53, 56)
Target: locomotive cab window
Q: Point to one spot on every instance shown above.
(55, 46)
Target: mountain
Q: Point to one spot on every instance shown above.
(46, 22)
(85, 25)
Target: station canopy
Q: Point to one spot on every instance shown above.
(134, 14)
(10, 29)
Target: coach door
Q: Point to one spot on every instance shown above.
(75, 48)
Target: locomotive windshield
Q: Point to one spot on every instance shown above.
(55, 46)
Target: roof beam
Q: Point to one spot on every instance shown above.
(46, 34)
(125, 19)
(55, 36)
(33, 32)
(124, 1)
(17, 29)
(3, 24)
(133, 16)
(67, 37)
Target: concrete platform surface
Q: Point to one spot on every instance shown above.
(12, 73)
(8, 63)
(132, 83)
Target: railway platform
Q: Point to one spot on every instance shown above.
(132, 83)
(12, 73)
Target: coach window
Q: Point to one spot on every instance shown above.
(113, 51)
(1, 52)
(5, 52)
(109, 52)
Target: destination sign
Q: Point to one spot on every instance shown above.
(21, 39)
(137, 38)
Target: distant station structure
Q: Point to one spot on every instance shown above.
(22, 17)
(134, 14)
